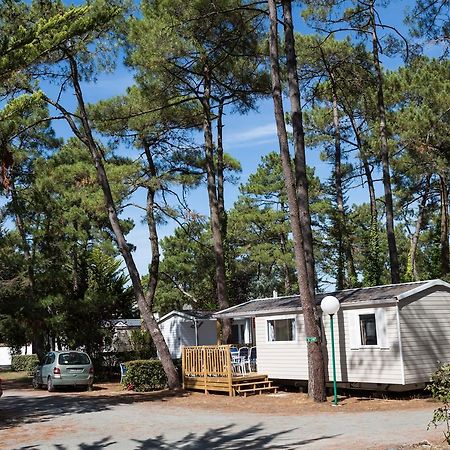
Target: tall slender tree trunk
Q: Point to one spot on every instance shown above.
(371, 189)
(384, 152)
(153, 274)
(301, 177)
(415, 237)
(86, 136)
(220, 173)
(340, 279)
(375, 264)
(345, 254)
(443, 191)
(345, 250)
(316, 378)
(222, 295)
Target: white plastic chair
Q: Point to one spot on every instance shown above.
(244, 356)
(123, 371)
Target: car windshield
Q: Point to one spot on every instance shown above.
(73, 359)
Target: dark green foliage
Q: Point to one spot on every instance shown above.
(145, 375)
(142, 344)
(21, 363)
(440, 391)
(190, 246)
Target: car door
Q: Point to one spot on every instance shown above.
(46, 368)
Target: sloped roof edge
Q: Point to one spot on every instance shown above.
(423, 287)
(185, 315)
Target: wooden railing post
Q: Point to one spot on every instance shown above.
(183, 365)
(229, 370)
(205, 372)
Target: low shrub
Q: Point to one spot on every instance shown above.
(440, 391)
(144, 375)
(21, 363)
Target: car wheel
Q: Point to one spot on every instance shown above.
(90, 388)
(50, 387)
(36, 385)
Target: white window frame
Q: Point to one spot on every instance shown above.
(295, 329)
(380, 324)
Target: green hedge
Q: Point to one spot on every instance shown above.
(144, 375)
(21, 363)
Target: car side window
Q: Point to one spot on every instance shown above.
(52, 358)
(46, 360)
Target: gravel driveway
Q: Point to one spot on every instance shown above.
(71, 420)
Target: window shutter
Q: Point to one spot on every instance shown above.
(380, 320)
(355, 333)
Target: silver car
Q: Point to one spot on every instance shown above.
(64, 368)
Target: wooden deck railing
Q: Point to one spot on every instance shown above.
(209, 365)
(209, 368)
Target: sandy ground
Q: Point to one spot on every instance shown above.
(282, 403)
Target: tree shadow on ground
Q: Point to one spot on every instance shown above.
(23, 409)
(223, 438)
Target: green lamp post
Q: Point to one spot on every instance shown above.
(330, 305)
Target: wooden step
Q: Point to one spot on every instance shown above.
(252, 383)
(262, 388)
(268, 389)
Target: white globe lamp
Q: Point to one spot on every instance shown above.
(330, 305)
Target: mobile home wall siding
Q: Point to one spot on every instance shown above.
(170, 329)
(207, 332)
(179, 332)
(364, 364)
(289, 360)
(425, 331)
(282, 360)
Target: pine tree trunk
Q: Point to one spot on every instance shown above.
(86, 136)
(301, 178)
(222, 295)
(366, 167)
(415, 237)
(287, 279)
(444, 254)
(153, 275)
(316, 373)
(220, 173)
(384, 150)
(345, 256)
(371, 189)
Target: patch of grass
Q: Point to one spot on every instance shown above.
(14, 376)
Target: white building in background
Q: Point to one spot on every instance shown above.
(187, 328)
(5, 354)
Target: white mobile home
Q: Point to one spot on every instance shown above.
(186, 328)
(390, 337)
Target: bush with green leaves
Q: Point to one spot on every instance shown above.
(440, 391)
(20, 363)
(144, 375)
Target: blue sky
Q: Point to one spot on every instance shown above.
(247, 138)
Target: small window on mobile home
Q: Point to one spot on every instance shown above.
(281, 330)
(368, 329)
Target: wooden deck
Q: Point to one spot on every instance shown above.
(209, 368)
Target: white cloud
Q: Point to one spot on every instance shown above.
(253, 134)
